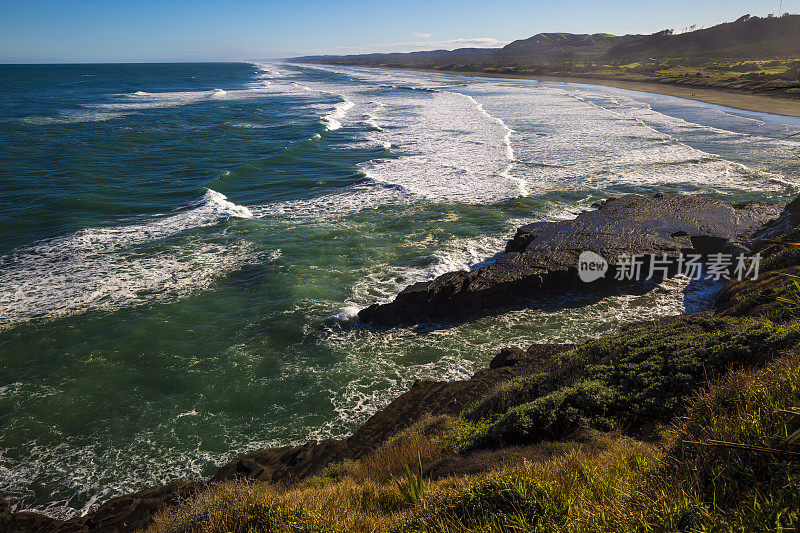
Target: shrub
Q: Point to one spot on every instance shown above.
(413, 491)
(458, 435)
(632, 379)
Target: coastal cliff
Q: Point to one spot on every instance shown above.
(533, 439)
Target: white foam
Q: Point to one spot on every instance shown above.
(99, 268)
(448, 149)
(454, 254)
(506, 172)
(334, 118)
(126, 104)
(273, 71)
(568, 139)
(347, 314)
(154, 100)
(334, 205)
(248, 125)
(73, 117)
(91, 473)
(372, 122)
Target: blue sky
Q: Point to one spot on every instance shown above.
(201, 30)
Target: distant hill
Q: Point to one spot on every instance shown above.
(747, 38)
(751, 54)
(541, 49)
(546, 48)
(428, 59)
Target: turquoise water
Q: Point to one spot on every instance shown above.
(183, 247)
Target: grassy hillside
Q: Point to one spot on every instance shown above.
(747, 38)
(548, 48)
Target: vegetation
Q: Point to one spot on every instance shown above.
(710, 472)
(630, 380)
(414, 490)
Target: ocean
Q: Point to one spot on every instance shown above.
(183, 247)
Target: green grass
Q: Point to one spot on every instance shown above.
(629, 380)
(501, 503)
(747, 487)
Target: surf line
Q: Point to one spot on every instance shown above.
(521, 184)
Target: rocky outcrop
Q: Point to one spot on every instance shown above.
(542, 258)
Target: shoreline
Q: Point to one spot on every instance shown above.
(758, 103)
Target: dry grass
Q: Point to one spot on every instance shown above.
(352, 503)
(606, 483)
(390, 459)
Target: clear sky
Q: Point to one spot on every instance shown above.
(225, 30)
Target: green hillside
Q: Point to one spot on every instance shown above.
(747, 38)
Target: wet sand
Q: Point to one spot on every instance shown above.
(761, 103)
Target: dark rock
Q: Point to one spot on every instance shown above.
(788, 220)
(541, 260)
(25, 522)
(135, 511)
(287, 463)
(507, 357)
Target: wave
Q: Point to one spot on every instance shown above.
(101, 268)
(273, 71)
(141, 100)
(249, 125)
(371, 121)
(334, 205)
(582, 137)
(126, 104)
(522, 185)
(334, 118)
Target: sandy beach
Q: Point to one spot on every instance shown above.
(738, 100)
